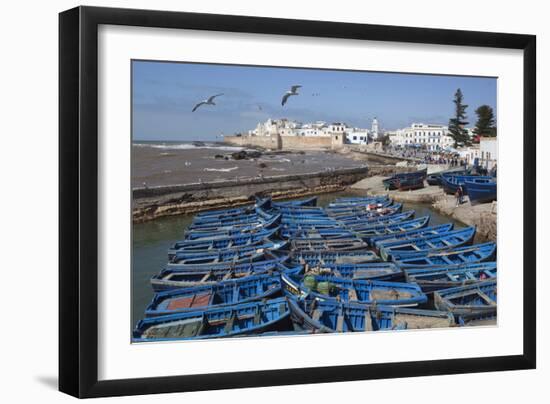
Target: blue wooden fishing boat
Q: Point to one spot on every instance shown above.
(233, 211)
(392, 182)
(309, 221)
(218, 227)
(298, 233)
(410, 247)
(435, 178)
(322, 257)
(221, 294)
(228, 225)
(305, 225)
(354, 201)
(356, 217)
(450, 183)
(481, 192)
(330, 316)
(227, 212)
(320, 287)
(198, 234)
(358, 207)
(382, 271)
(233, 255)
(369, 232)
(439, 278)
(456, 256)
(227, 242)
(378, 241)
(470, 300)
(369, 223)
(247, 318)
(188, 276)
(343, 244)
(311, 201)
(406, 184)
(226, 220)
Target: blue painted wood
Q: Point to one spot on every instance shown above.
(381, 271)
(410, 247)
(481, 192)
(224, 255)
(312, 201)
(177, 277)
(247, 318)
(445, 277)
(228, 231)
(224, 293)
(321, 257)
(450, 183)
(360, 216)
(226, 242)
(470, 300)
(330, 316)
(378, 240)
(340, 244)
(322, 288)
(369, 223)
(456, 256)
(329, 234)
(354, 201)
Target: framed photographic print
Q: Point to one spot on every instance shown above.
(251, 201)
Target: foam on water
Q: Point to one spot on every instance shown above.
(188, 146)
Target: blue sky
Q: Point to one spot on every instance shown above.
(164, 94)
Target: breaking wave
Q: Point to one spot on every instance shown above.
(189, 146)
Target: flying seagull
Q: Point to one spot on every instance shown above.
(293, 91)
(209, 101)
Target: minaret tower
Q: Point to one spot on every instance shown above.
(374, 128)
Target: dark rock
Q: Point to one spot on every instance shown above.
(240, 155)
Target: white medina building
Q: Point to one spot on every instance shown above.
(489, 152)
(285, 127)
(272, 127)
(432, 137)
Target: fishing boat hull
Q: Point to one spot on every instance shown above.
(237, 320)
(481, 192)
(221, 294)
(395, 250)
(457, 256)
(469, 301)
(330, 317)
(440, 278)
(329, 288)
(323, 257)
(379, 241)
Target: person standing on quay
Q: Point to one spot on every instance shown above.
(459, 193)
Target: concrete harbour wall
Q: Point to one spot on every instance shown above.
(151, 203)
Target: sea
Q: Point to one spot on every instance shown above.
(169, 163)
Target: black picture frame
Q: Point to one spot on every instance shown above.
(78, 196)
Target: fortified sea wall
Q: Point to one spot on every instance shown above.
(281, 142)
(155, 202)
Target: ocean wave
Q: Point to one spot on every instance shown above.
(188, 146)
(223, 170)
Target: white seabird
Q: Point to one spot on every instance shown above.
(209, 101)
(293, 91)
